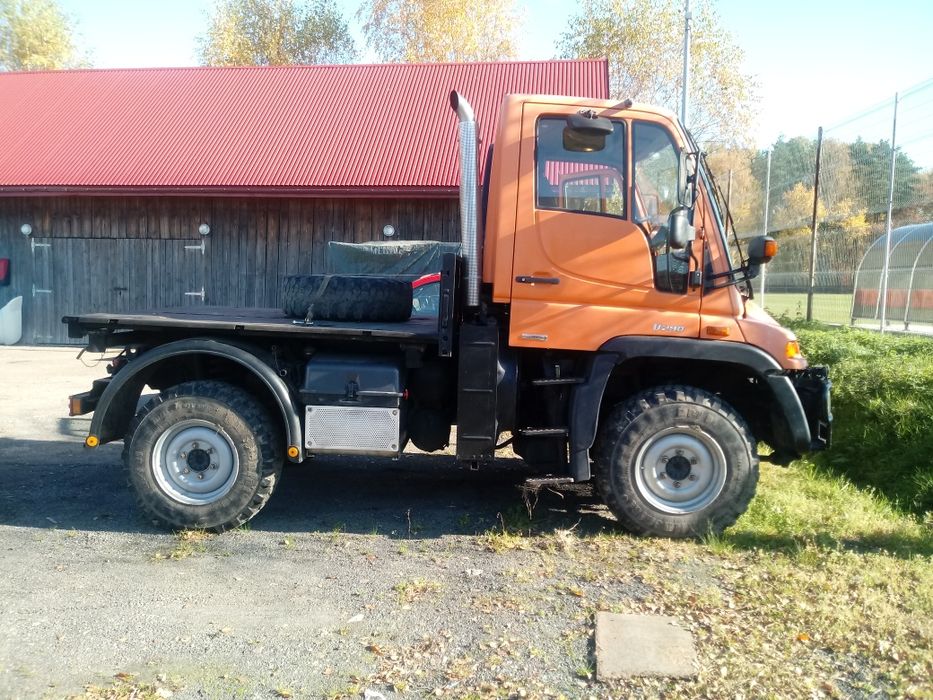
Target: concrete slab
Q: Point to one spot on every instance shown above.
(643, 645)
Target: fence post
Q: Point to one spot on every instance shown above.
(814, 224)
(764, 268)
(887, 225)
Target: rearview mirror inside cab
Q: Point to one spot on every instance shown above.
(585, 132)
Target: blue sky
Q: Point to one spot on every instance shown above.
(816, 61)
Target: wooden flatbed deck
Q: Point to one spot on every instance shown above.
(248, 321)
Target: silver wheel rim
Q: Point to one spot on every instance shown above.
(680, 470)
(195, 462)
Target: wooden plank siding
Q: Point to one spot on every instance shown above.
(122, 253)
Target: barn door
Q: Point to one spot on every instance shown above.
(160, 274)
(74, 276)
(39, 310)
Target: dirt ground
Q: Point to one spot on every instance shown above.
(359, 575)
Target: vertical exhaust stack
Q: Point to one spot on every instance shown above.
(469, 195)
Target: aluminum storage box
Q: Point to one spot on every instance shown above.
(353, 405)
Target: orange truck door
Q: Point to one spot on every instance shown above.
(583, 269)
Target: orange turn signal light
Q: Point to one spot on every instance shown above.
(92, 441)
(717, 331)
(793, 350)
(771, 248)
(293, 451)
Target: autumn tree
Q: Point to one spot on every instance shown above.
(416, 31)
(643, 40)
(745, 203)
(35, 35)
(276, 32)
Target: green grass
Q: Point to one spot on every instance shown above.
(882, 409)
(828, 308)
(804, 506)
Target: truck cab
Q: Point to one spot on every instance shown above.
(572, 230)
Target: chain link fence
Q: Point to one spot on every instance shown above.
(849, 181)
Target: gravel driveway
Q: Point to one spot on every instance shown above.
(360, 574)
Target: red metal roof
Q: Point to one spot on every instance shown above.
(344, 129)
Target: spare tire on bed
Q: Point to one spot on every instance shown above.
(347, 298)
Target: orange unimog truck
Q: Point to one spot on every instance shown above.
(596, 319)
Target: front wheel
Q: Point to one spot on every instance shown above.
(676, 461)
(203, 454)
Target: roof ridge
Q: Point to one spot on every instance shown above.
(303, 66)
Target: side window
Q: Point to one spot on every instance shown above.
(655, 194)
(587, 177)
(657, 169)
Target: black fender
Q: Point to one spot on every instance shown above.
(117, 404)
(587, 397)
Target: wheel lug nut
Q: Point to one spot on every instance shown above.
(183, 455)
(663, 460)
(676, 484)
(213, 466)
(194, 445)
(210, 450)
(692, 477)
(186, 471)
(693, 460)
(200, 476)
(679, 452)
(662, 476)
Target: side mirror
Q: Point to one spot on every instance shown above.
(679, 230)
(761, 249)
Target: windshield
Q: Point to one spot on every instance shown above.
(731, 246)
(718, 206)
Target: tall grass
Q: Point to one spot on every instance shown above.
(882, 409)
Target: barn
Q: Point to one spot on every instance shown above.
(130, 189)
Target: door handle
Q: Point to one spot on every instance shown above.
(525, 279)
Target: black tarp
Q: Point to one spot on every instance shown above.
(407, 259)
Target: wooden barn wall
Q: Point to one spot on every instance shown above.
(89, 254)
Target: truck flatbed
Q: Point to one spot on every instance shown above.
(252, 321)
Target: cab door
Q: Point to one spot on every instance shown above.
(583, 268)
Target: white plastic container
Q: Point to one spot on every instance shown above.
(11, 322)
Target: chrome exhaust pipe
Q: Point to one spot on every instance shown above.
(469, 196)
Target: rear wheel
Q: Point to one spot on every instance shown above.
(676, 461)
(203, 455)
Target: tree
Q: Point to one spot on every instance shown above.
(794, 213)
(35, 35)
(745, 205)
(792, 162)
(415, 31)
(275, 33)
(643, 40)
(872, 176)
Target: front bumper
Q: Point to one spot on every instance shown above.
(801, 415)
(813, 389)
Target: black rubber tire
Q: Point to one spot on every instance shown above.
(628, 426)
(243, 418)
(347, 298)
